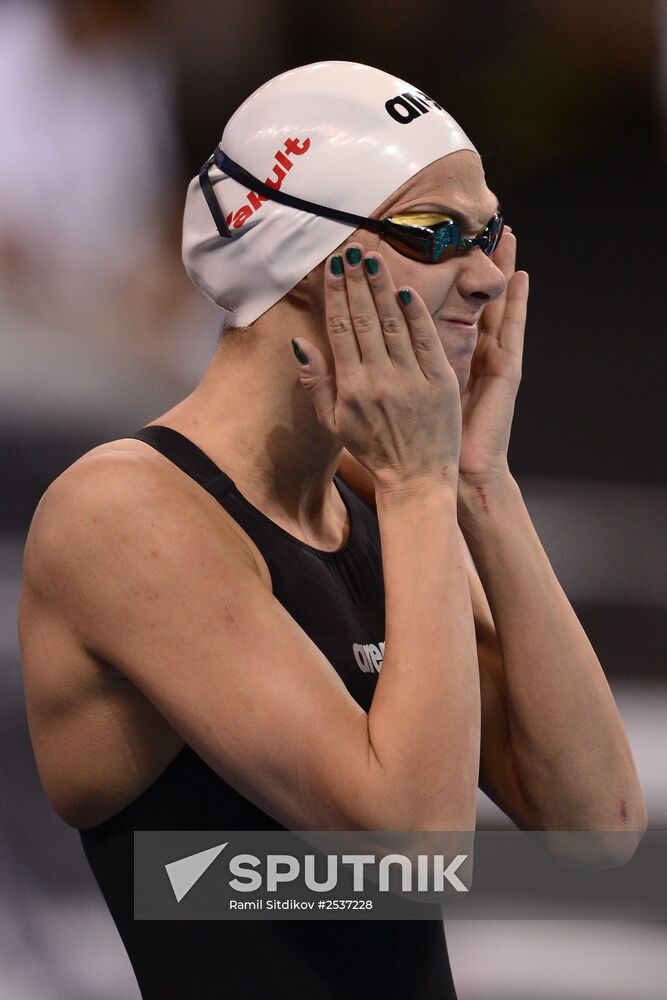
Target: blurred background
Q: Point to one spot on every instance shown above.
(107, 108)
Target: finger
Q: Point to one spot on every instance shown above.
(365, 319)
(342, 339)
(426, 343)
(392, 320)
(318, 381)
(513, 327)
(504, 257)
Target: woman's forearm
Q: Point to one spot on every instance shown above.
(571, 751)
(424, 721)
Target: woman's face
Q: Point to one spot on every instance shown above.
(456, 290)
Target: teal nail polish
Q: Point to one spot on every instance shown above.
(372, 265)
(353, 255)
(302, 357)
(337, 265)
(405, 297)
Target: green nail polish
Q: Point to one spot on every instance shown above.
(353, 255)
(405, 297)
(372, 265)
(302, 357)
(337, 265)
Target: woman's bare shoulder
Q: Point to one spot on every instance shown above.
(107, 486)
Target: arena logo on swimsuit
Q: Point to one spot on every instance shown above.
(369, 657)
(280, 168)
(406, 107)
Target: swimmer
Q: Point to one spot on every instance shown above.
(310, 595)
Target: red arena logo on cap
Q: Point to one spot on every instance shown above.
(291, 147)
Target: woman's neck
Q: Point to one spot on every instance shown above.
(252, 417)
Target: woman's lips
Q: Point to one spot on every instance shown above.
(460, 322)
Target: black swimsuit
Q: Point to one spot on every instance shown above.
(338, 599)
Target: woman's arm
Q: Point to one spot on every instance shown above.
(571, 752)
(554, 754)
(497, 771)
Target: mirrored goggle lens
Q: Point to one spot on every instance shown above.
(492, 234)
(430, 243)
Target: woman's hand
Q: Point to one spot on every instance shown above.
(392, 399)
(487, 401)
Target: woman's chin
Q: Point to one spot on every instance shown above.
(460, 362)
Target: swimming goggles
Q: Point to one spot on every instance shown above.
(428, 237)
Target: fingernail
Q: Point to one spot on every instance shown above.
(372, 265)
(302, 357)
(405, 297)
(353, 255)
(337, 265)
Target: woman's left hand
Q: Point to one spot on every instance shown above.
(487, 402)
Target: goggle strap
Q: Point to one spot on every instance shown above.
(240, 174)
(212, 201)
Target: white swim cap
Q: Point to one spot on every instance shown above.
(340, 134)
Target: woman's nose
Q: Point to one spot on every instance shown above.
(479, 277)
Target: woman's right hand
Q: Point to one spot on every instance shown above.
(393, 400)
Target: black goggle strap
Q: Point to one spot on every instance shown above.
(212, 201)
(238, 173)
